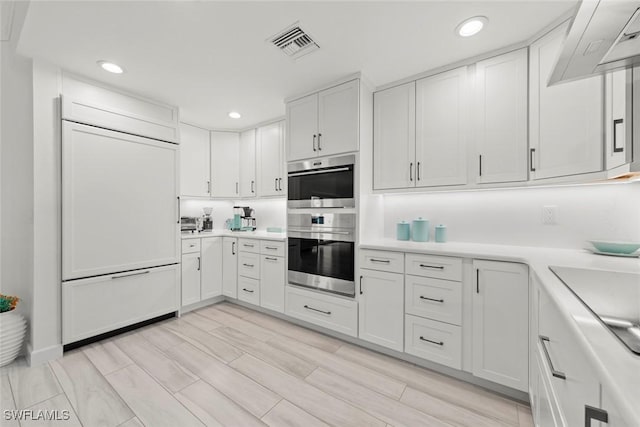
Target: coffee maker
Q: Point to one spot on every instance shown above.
(243, 219)
(207, 221)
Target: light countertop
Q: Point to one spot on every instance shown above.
(617, 368)
(258, 234)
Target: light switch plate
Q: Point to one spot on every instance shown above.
(549, 215)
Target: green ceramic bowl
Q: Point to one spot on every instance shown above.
(615, 247)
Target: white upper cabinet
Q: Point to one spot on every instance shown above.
(271, 160)
(616, 119)
(324, 123)
(224, 164)
(500, 112)
(195, 169)
(441, 116)
(566, 131)
(248, 163)
(394, 136)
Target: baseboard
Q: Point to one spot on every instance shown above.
(201, 304)
(38, 357)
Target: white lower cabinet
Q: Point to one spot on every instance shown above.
(211, 270)
(436, 341)
(544, 406)
(105, 303)
(332, 312)
(435, 299)
(272, 280)
(230, 267)
(381, 314)
(191, 265)
(249, 265)
(249, 290)
(501, 323)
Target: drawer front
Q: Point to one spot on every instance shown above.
(249, 265)
(102, 304)
(249, 290)
(392, 262)
(190, 246)
(438, 267)
(330, 312)
(268, 247)
(434, 299)
(249, 245)
(435, 341)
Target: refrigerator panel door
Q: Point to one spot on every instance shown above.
(119, 202)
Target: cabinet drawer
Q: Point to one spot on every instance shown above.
(438, 267)
(392, 262)
(338, 314)
(249, 290)
(249, 245)
(435, 341)
(270, 247)
(249, 265)
(435, 299)
(190, 245)
(102, 304)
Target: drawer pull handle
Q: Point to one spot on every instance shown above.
(554, 372)
(384, 261)
(247, 290)
(440, 343)
(192, 246)
(319, 311)
(129, 275)
(271, 258)
(271, 248)
(437, 267)
(247, 245)
(591, 413)
(431, 299)
(248, 265)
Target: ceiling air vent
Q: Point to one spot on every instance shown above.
(294, 42)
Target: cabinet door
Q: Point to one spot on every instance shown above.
(211, 272)
(616, 417)
(565, 119)
(224, 164)
(270, 160)
(230, 267)
(381, 311)
(194, 161)
(501, 118)
(338, 119)
(272, 278)
(500, 323)
(302, 128)
(248, 163)
(191, 266)
(394, 137)
(616, 120)
(441, 114)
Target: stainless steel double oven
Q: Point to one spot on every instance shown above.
(322, 224)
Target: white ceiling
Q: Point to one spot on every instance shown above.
(211, 57)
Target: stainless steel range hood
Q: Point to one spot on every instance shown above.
(604, 35)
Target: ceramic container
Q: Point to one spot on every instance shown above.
(12, 330)
(420, 230)
(441, 233)
(403, 230)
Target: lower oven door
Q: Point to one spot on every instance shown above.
(322, 264)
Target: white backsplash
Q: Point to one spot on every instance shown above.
(514, 216)
(269, 212)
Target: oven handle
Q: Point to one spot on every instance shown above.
(306, 230)
(317, 172)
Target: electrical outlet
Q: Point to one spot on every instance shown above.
(549, 215)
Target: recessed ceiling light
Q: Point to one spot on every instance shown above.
(235, 115)
(471, 26)
(110, 67)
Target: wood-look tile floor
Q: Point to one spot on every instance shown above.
(226, 365)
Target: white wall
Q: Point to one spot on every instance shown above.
(270, 212)
(16, 173)
(514, 216)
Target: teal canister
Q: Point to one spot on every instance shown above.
(441, 233)
(420, 230)
(403, 230)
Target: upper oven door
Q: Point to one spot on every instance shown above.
(322, 183)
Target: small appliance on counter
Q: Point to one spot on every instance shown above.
(207, 221)
(243, 219)
(188, 223)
